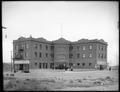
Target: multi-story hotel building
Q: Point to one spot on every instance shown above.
(38, 53)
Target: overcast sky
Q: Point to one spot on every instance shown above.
(89, 20)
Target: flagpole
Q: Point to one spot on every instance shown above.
(61, 30)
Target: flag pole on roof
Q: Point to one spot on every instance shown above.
(61, 30)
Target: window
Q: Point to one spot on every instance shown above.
(83, 47)
(35, 54)
(15, 47)
(83, 55)
(46, 65)
(22, 46)
(40, 46)
(40, 54)
(71, 48)
(51, 65)
(102, 48)
(39, 65)
(102, 56)
(46, 47)
(78, 64)
(25, 55)
(46, 54)
(90, 64)
(52, 47)
(27, 46)
(78, 47)
(105, 56)
(90, 47)
(105, 48)
(90, 55)
(99, 55)
(70, 64)
(35, 64)
(70, 55)
(78, 55)
(35, 46)
(43, 65)
(52, 55)
(83, 64)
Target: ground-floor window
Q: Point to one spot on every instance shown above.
(22, 67)
(71, 64)
(90, 64)
(78, 64)
(43, 65)
(39, 65)
(35, 64)
(83, 64)
(51, 65)
(46, 65)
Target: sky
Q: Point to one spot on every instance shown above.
(73, 20)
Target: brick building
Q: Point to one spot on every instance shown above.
(38, 53)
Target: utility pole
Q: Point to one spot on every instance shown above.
(11, 61)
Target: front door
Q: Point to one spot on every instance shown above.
(101, 67)
(21, 67)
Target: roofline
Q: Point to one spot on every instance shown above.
(67, 43)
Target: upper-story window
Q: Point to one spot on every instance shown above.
(98, 55)
(71, 48)
(90, 47)
(46, 47)
(40, 54)
(52, 55)
(36, 46)
(105, 56)
(78, 55)
(27, 46)
(70, 55)
(83, 47)
(16, 47)
(25, 54)
(105, 48)
(22, 46)
(40, 46)
(101, 56)
(90, 55)
(35, 54)
(78, 47)
(102, 48)
(99, 47)
(52, 47)
(83, 55)
(46, 54)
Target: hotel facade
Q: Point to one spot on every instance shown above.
(38, 53)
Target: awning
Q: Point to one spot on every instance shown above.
(21, 62)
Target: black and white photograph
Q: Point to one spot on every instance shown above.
(60, 45)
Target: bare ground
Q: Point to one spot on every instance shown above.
(63, 80)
